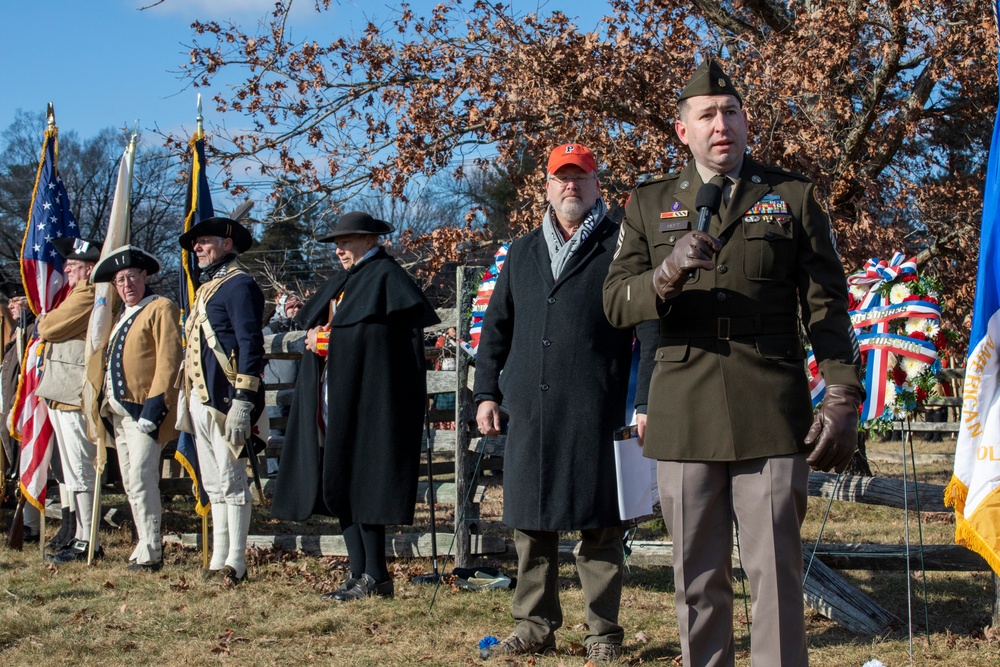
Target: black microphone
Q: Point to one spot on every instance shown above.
(707, 203)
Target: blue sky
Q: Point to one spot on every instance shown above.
(104, 63)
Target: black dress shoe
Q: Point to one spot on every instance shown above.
(342, 588)
(30, 535)
(208, 574)
(366, 587)
(227, 576)
(74, 552)
(146, 567)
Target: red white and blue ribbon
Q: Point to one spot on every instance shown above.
(871, 324)
(482, 300)
(879, 271)
(919, 309)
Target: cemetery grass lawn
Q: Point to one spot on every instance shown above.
(105, 616)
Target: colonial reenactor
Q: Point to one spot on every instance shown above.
(138, 397)
(63, 329)
(564, 384)
(352, 447)
(729, 409)
(223, 367)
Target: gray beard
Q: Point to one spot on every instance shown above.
(575, 210)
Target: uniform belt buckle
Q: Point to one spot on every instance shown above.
(724, 329)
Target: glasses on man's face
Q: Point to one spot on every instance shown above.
(127, 278)
(566, 180)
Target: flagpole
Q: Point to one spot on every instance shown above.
(199, 133)
(204, 539)
(44, 289)
(187, 289)
(116, 233)
(95, 517)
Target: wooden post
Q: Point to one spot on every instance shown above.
(465, 510)
(996, 600)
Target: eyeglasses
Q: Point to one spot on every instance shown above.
(566, 180)
(130, 278)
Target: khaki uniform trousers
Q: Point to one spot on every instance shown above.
(766, 497)
(536, 597)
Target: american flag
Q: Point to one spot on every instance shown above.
(50, 218)
(45, 286)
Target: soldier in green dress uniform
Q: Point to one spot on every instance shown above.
(730, 419)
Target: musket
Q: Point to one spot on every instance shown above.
(3, 475)
(95, 518)
(15, 538)
(255, 469)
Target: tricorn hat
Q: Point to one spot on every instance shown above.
(125, 257)
(357, 223)
(83, 250)
(217, 226)
(709, 79)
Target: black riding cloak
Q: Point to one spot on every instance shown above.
(365, 468)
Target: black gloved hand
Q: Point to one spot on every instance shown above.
(834, 431)
(693, 251)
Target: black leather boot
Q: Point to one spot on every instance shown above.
(64, 537)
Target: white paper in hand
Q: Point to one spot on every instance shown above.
(636, 477)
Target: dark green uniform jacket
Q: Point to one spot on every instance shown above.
(729, 381)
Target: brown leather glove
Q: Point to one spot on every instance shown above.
(694, 251)
(834, 431)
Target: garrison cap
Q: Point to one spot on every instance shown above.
(709, 79)
(125, 257)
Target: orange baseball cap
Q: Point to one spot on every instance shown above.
(577, 154)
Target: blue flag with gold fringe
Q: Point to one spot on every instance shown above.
(199, 207)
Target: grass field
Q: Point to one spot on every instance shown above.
(103, 615)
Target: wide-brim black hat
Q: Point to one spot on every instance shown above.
(357, 223)
(224, 227)
(126, 257)
(84, 250)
